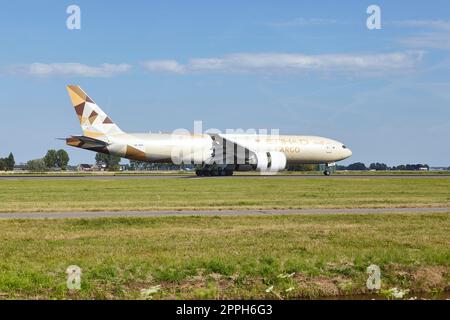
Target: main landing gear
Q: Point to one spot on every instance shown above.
(213, 171)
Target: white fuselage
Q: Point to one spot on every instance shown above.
(197, 148)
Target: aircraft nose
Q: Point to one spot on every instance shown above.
(348, 153)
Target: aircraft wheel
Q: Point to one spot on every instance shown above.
(327, 172)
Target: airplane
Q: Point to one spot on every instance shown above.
(215, 154)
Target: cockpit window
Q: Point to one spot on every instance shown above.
(344, 147)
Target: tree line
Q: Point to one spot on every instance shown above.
(59, 160)
(107, 161)
(7, 164)
(382, 166)
(53, 160)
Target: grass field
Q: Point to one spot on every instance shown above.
(270, 257)
(242, 193)
(224, 257)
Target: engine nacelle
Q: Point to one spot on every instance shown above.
(270, 162)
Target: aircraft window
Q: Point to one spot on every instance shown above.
(344, 147)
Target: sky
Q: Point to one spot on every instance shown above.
(303, 67)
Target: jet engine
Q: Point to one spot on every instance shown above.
(270, 162)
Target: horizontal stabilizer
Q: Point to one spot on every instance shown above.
(85, 142)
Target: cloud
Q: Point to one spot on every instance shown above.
(432, 40)
(70, 68)
(303, 22)
(436, 37)
(291, 62)
(164, 66)
(433, 24)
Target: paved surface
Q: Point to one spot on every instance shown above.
(174, 176)
(60, 215)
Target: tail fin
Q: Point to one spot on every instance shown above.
(94, 122)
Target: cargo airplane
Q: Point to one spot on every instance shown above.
(214, 153)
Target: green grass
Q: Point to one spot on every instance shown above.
(204, 194)
(224, 257)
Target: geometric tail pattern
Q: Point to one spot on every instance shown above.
(97, 125)
(94, 122)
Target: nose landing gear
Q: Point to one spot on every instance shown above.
(329, 168)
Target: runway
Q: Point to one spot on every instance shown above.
(144, 214)
(240, 176)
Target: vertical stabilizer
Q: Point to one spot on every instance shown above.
(94, 122)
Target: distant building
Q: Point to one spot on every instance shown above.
(20, 167)
(439, 168)
(84, 167)
(87, 167)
